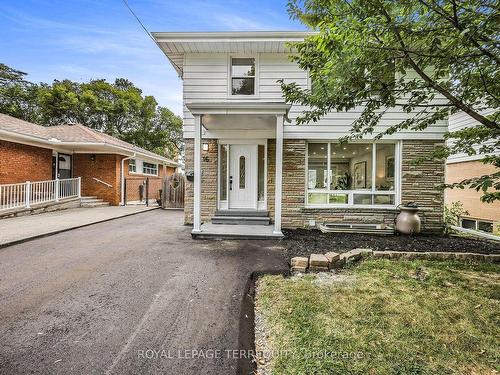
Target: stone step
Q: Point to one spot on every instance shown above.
(92, 200)
(236, 232)
(89, 197)
(241, 213)
(241, 220)
(95, 204)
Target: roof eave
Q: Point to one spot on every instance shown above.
(55, 143)
(234, 36)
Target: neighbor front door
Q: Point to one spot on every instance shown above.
(64, 166)
(243, 176)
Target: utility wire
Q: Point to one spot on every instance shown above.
(151, 36)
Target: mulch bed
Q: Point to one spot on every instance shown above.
(302, 242)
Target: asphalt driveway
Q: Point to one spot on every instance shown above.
(130, 296)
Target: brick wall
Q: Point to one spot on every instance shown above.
(134, 180)
(21, 163)
(105, 167)
(208, 181)
(470, 198)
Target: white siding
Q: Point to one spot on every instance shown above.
(206, 79)
(461, 120)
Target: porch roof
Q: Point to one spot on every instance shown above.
(238, 107)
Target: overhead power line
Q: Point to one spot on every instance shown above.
(149, 34)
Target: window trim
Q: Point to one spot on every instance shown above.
(256, 58)
(476, 222)
(139, 168)
(397, 179)
(149, 174)
(134, 165)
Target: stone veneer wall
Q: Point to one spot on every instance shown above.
(419, 183)
(208, 181)
(422, 182)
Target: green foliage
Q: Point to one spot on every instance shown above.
(18, 97)
(453, 213)
(426, 58)
(118, 109)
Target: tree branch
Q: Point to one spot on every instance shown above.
(455, 101)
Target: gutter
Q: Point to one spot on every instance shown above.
(122, 179)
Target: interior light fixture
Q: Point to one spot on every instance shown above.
(205, 146)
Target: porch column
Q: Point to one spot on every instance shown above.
(279, 174)
(197, 175)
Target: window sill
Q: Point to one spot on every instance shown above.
(351, 207)
(243, 97)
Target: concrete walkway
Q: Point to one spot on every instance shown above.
(20, 229)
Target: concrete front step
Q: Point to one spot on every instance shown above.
(89, 197)
(236, 232)
(241, 213)
(95, 204)
(92, 200)
(241, 220)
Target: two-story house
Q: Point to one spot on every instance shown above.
(253, 165)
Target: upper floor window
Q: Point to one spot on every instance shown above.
(242, 76)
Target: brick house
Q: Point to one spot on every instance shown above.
(251, 163)
(109, 168)
(480, 216)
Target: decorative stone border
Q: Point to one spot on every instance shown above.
(331, 260)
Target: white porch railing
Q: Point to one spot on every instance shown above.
(24, 195)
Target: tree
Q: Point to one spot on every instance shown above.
(118, 109)
(18, 96)
(431, 58)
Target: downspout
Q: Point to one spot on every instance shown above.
(122, 179)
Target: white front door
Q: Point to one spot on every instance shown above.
(243, 176)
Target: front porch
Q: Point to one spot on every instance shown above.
(237, 158)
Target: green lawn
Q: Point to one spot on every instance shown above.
(385, 317)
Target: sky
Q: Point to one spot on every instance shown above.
(89, 39)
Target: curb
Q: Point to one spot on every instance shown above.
(27, 239)
(331, 260)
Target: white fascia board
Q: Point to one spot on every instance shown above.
(226, 108)
(232, 36)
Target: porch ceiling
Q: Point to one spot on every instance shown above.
(239, 122)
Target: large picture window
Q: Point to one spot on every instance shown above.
(242, 76)
(355, 174)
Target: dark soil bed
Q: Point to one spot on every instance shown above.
(301, 242)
